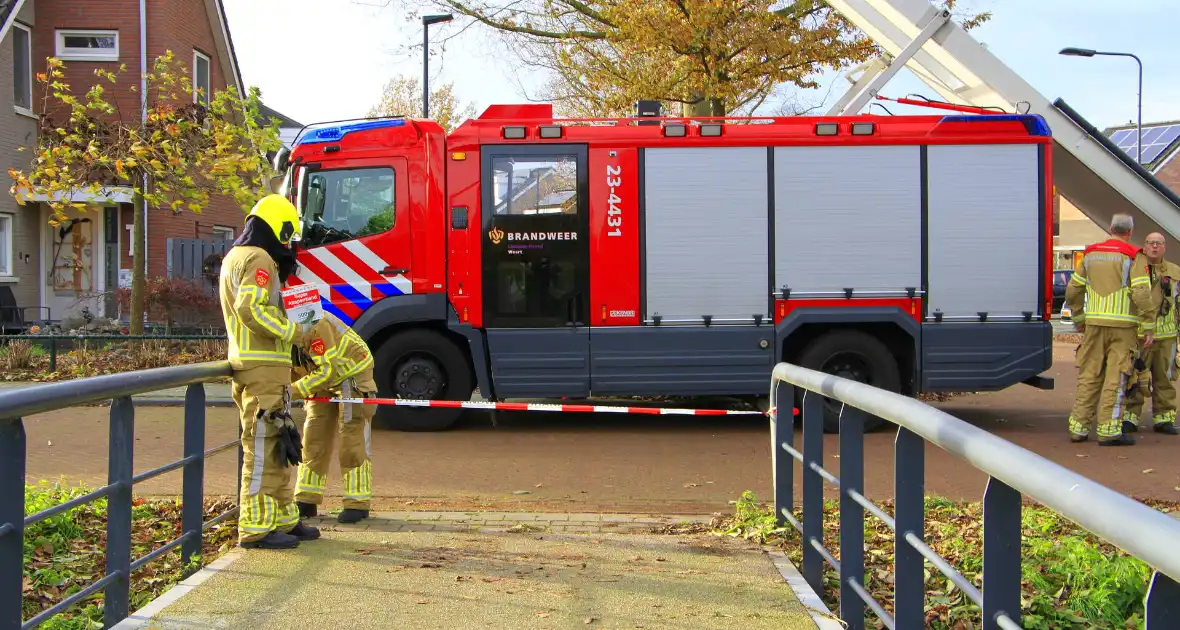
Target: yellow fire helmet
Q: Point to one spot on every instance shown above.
(280, 214)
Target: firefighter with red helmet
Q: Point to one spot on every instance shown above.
(1110, 295)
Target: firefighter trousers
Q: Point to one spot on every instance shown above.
(1157, 378)
(1106, 364)
(267, 494)
(354, 425)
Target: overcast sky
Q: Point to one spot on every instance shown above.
(318, 60)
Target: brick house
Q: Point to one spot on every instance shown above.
(1161, 158)
(70, 268)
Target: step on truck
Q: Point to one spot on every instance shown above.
(536, 257)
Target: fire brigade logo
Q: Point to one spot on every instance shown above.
(261, 277)
(317, 347)
(497, 235)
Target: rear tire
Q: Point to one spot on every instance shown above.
(420, 365)
(857, 356)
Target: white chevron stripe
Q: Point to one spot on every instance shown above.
(361, 251)
(338, 267)
(308, 277)
(403, 284)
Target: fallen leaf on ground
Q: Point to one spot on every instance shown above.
(521, 492)
(1148, 470)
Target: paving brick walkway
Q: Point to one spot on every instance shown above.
(507, 570)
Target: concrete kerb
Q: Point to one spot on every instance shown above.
(142, 617)
(823, 618)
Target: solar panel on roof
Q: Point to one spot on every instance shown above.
(1155, 141)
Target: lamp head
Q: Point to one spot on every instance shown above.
(1077, 52)
(427, 20)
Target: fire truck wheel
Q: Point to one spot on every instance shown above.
(857, 356)
(420, 365)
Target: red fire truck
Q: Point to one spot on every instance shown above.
(538, 257)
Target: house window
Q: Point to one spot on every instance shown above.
(88, 45)
(5, 244)
(22, 69)
(222, 233)
(201, 84)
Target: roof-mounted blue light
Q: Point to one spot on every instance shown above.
(336, 132)
(1034, 123)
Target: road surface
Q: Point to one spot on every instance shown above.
(676, 464)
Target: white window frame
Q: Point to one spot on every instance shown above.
(85, 54)
(6, 234)
(27, 111)
(223, 230)
(208, 98)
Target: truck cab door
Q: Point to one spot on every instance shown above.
(356, 233)
(536, 269)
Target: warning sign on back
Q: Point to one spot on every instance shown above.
(302, 304)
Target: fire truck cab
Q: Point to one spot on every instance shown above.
(536, 257)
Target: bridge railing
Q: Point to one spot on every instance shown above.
(117, 388)
(1013, 472)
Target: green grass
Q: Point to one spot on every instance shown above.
(1071, 579)
(66, 553)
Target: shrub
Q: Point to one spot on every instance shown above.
(17, 355)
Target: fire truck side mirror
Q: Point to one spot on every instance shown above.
(281, 160)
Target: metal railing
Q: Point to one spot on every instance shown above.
(118, 388)
(1146, 533)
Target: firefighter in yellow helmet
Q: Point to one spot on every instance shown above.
(260, 337)
(1110, 296)
(335, 362)
(1158, 366)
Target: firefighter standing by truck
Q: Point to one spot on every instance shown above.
(1110, 295)
(260, 338)
(1158, 366)
(336, 363)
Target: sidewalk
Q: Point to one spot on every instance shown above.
(431, 570)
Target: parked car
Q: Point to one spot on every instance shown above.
(1061, 278)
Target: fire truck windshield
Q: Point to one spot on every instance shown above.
(343, 204)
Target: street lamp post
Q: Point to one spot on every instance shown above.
(1087, 52)
(427, 20)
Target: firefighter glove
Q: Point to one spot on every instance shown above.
(289, 444)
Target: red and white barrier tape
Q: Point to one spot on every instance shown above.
(502, 406)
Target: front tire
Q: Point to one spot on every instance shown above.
(421, 365)
(857, 356)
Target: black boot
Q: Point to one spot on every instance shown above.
(1166, 427)
(1122, 440)
(273, 540)
(1073, 437)
(306, 510)
(352, 515)
(305, 532)
(1130, 427)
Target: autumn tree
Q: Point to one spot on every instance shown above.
(402, 96)
(712, 56)
(179, 156)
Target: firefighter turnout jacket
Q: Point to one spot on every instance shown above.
(1111, 287)
(338, 354)
(259, 332)
(1165, 282)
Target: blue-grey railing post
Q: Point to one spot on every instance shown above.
(852, 517)
(1001, 553)
(783, 465)
(813, 489)
(1163, 603)
(909, 488)
(192, 510)
(12, 521)
(118, 547)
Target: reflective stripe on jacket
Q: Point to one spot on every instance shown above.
(1111, 287)
(255, 321)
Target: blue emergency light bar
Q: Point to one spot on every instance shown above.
(1034, 123)
(336, 132)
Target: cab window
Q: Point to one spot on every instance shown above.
(345, 204)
